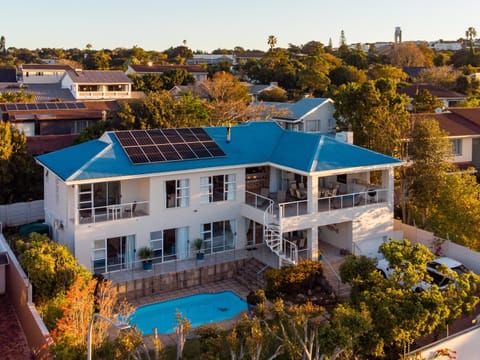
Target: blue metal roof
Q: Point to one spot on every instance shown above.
(251, 143)
(298, 109)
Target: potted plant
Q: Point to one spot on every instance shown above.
(145, 254)
(198, 244)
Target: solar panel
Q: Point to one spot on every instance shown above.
(160, 145)
(42, 106)
(21, 107)
(70, 105)
(32, 106)
(81, 105)
(213, 148)
(10, 107)
(61, 105)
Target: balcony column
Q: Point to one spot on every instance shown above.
(75, 204)
(312, 241)
(387, 180)
(312, 194)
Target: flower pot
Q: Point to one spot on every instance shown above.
(200, 256)
(147, 264)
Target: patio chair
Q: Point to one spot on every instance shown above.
(130, 211)
(299, 195)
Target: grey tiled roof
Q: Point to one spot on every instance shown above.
(98, 77)
(43, 92)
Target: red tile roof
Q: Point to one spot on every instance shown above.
(162, 68)
(453, 123)
(412, 90)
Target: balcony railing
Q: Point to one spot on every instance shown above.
(112, 212)
(327, 203)
(352, 200)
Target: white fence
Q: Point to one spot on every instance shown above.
(21, 213)
(447, 248)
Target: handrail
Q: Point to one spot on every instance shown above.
(111, 212)
(337, 276)
(283, 206)
(293, 250)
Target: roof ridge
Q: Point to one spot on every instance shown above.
(314, 161)
(84, 166)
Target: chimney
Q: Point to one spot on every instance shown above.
(229, 131)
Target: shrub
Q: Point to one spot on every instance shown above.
(293, 280)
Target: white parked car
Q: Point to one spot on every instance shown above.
(434, 270)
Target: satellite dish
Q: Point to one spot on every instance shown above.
(438, 110)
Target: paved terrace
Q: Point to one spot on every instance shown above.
(13, 344)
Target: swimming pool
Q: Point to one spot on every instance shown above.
(199, 309)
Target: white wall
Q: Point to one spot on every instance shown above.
(21, 213)
(47, 77)
(466, 151)
(162, 218)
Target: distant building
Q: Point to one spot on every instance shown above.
(398, 35)
(441, 45)
(211, 59)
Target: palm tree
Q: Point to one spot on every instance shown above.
(272, 41)
(471, 33)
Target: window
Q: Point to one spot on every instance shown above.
(219, 236)
(457, 147)
(169, 244)
(178, 193)
(113, 254)
(217, 188)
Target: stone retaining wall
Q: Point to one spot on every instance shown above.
(133, 289)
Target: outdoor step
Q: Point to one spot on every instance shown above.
(251, 274)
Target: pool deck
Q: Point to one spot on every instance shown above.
(169, 339)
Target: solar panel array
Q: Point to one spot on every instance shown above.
(45, 106)
(161, 145)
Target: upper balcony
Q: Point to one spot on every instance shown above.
(297, 196)
(110, 201)
(112, 212)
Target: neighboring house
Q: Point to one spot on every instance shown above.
(211, 59)
(307, 114)
(42, 73)
(52, 126)
(257, 89)
(198, 72)
(55, 81)
(97, 84)
(234, 188)
(448, 98)
(463, 127)
(198, 90)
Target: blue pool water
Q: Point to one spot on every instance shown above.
(199, 309)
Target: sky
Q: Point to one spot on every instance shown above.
(211, 24)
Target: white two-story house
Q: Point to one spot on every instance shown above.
(307, 114)
(234, 188)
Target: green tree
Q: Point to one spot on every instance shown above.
(21, 179)
(174, 77)
(470, 34)
(431, 153)
(456, 213)
(272, 42)
(425, 102)
(50, 266)
(276, 94)
(385, 71)
(346, 74)
(375, 112)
